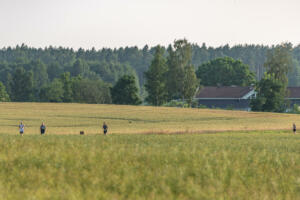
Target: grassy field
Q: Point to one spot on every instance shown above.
(72, 118)
(254, 165)
(256, 158)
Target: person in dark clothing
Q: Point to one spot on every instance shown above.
(105, 127)
(294, 128)
(43, 128)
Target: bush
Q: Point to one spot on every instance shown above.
(202, 106)
(295, 109)
(230, 107)
(194, 104)
(175, 103)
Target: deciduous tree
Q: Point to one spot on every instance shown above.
(225, 71)
(22, 85)
(66, 80)
(279, 62)
(91, 91)
(271, 90)
(54, 92)
(125, 91)
(270, 95)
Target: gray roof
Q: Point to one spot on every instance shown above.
(223, 92)
(294, 92)
(237, 92)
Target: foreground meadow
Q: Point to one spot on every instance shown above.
(253, 165)
(73, 118)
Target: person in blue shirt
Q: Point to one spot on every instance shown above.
(21, 128)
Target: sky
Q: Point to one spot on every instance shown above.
(120, 23)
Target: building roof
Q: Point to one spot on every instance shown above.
(294, 92)
(223, 92)
(236, 92)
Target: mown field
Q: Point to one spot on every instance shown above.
(72, 118)
(257, 157)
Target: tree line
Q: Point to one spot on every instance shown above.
(156, 75)
(272, 88)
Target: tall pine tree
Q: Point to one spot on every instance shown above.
(191, 84)
(155, 79)
(180, 70)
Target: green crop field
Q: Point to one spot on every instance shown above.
(254, 165)
(226, 155)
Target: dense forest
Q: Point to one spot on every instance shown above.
(50, 72)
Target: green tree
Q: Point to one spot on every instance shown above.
(225, 71)
(4, 97)
(80, 67)
(155, 79)
(294, 74)
(66, 80)
(271, 90)
(191, 84)
(54, 70)
(270, 95)
(279, 62)
(22, 85)
(125, 91)
(179, 57)
(40, 74)
(5, 75)
(7, 81)
(91, 91)
(53, 92)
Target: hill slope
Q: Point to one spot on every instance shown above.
(72, 118)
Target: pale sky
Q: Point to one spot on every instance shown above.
(120, 23)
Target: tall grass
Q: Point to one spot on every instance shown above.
(237, 164)
(256, 165)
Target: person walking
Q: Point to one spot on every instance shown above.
(105, 127)
(43, 128)
(21, 128)
(294, 128)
